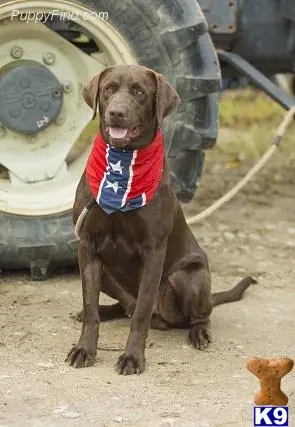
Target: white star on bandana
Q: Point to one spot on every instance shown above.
(113, 185)
(116, 167)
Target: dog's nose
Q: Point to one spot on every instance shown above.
(117, 113)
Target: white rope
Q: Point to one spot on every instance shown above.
(285, 123)
(80, 221)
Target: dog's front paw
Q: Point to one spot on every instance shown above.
(81, 357)
(200, 336)
(129, 364)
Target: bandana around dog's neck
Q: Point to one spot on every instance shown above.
(123, 180)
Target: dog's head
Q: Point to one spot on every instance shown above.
(133, 101)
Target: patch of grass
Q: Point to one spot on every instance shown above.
(248, 121)
(245, 107)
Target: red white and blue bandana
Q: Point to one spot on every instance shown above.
(122, 180)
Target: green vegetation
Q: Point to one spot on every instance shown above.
(248, 120)
(247, 107)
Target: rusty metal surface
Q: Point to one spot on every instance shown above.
(221, 15)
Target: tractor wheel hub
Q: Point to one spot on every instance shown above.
(31, 97)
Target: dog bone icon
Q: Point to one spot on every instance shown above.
(270, 372)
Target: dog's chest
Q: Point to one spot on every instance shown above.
(122, 240)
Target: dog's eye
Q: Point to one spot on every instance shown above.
(138, 92)
(109, 89)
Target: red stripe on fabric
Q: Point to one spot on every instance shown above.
(148, 169)
(96, 165)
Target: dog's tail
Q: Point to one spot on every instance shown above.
(234, 294)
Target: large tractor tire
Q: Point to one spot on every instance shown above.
(45, 127)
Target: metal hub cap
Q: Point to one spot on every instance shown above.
(30, 97)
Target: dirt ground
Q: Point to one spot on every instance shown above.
(182, 387)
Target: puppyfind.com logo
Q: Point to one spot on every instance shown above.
(271, 416)
(56, 14)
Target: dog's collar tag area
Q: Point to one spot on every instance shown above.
(124, 180)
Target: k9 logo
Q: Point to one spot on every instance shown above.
(271, 416)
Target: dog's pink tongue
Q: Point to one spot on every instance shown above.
(117, 133)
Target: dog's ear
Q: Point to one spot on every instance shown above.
(90, 92)
(166, 98)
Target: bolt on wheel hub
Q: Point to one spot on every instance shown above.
(31, 97)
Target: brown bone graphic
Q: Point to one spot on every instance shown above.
(270, 372)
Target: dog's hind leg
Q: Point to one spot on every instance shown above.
(124, 307)
(106, 313)
(193, 289)
(113, 289)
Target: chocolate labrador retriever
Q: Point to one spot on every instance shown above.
(135, 245)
